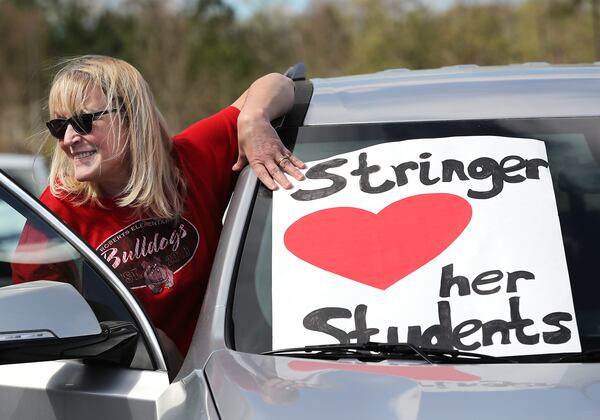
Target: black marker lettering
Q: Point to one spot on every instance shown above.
(317, 321)
(361, 333)
(441, 333)
(451, 166)
(563, 334)
(364, 171)
(496, 326)
(487, 277)
(516, 167)
(424, 171)
(449, 280)
(519, 324)
(533, 165)
(400, 170)
(484, 168)
(320, 172)
(459, 332)
(511, 286)
(392, 335)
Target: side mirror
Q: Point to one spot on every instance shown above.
(46, 320)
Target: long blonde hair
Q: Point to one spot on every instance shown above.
(156, 187)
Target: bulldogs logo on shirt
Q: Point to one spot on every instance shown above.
(149, 252)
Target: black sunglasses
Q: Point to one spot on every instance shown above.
(81, 123)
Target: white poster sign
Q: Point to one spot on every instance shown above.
(451, 242)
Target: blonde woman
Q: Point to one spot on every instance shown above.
(149, 203)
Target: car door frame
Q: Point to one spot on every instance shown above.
(66, 388)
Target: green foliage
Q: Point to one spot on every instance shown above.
(198, 57)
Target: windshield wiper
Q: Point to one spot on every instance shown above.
(591, 355)
(373, 351)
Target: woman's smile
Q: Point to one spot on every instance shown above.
(98, 156)
(83, 155)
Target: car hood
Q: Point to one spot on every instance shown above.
(274, 387)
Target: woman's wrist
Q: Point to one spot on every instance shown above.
(252, 125)
(251, 116)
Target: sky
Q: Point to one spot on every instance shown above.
(245, 8)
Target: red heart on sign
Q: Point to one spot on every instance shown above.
(379, 249)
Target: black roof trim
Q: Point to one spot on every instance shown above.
(303, 90)
(296, 72)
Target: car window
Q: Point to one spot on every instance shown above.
(30, 250)
(29, 171)
(573, 150)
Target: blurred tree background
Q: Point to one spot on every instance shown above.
(199, 56)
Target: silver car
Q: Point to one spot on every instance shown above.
(84, 348)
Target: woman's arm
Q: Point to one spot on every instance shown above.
(267, 98)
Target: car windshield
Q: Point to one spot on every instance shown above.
(572, 146)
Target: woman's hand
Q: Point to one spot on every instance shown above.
(259, 145)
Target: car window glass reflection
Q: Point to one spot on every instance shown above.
(30, 250)
(573, 150)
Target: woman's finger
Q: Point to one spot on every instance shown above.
(240, 163)
(287, 165)
(296, 162)
(277, 174)
(293, 159)
(263, 175)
